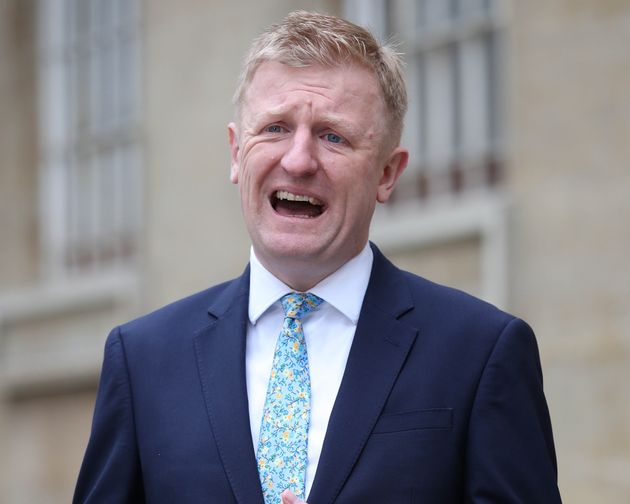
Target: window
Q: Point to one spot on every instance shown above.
(453, 126)
(448, 198)
(90, 156)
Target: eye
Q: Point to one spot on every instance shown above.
(274, 128)
(334, 138)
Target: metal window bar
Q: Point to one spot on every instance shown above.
(465, 32)
(97, 211)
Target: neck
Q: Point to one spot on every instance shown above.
(301, 274)
(299, 278)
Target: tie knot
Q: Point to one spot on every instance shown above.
(298, 304)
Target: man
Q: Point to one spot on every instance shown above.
(381, 388)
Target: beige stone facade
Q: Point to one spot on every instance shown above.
(570, 182)
(550, 245)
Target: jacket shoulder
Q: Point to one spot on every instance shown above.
(454, 318)
(189, 314)
(438, 298)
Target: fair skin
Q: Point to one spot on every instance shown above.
(288, 497)
(320, 134)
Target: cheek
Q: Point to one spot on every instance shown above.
(361, 195)
(259, 163)
(248, 170)
(358, 179)
(271, 158)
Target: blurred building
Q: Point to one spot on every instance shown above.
(115, 198)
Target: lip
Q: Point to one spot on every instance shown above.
(298, 192)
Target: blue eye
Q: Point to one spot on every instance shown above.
(274, 128)
(331, 137)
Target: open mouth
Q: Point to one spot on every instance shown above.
(296, 205)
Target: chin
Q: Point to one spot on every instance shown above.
(295, 252)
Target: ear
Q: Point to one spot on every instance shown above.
(234, 152)
(394, 166)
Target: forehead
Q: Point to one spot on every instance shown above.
(339, 88)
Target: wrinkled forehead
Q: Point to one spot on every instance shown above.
(350, 84)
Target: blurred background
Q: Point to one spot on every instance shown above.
(115, 198)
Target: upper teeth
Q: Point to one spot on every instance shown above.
(285, 195)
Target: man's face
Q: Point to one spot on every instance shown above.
(310, 156)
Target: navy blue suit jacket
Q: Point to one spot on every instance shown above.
(441, 402)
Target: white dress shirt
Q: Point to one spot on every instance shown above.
(328, 332)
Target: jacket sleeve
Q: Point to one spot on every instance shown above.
(111, 468)
(510, 455)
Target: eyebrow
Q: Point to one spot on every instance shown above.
(333, 121)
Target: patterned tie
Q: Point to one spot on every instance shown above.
(282, 448)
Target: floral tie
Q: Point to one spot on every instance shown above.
(282, 448)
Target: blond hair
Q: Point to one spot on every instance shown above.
(307, 38)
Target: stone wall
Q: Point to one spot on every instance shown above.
(570, 183)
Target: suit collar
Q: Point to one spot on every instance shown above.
(220, 352)
(387, 289)
(233, 292)
(380, 347)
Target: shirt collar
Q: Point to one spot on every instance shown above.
(344, 289)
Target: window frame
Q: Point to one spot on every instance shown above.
(481, 212)
(111, 152)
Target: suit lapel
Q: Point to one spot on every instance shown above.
(380, 347)
(220, 351)
(381, 344)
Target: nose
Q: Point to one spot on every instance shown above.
(299, 158)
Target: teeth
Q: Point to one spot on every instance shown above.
(286, 195)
